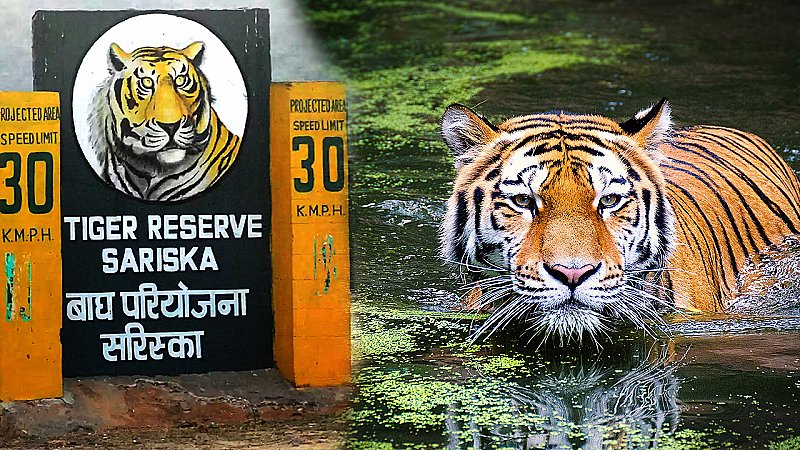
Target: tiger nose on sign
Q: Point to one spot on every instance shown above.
(571, 276)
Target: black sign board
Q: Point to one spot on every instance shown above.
(164, 187)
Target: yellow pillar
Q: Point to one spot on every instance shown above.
(30, 246)
(310, 240)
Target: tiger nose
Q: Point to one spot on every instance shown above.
(571, 276)
(170, 128)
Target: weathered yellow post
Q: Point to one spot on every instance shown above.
(30, 246)
(310, 242)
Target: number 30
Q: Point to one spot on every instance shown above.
(328, 143)
(13, 182)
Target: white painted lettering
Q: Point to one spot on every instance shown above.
(205, 226)
(72, 222)
(188, 227)
(154, 227)
(109, 256)
(254, 225)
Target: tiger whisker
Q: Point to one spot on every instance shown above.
(660, 301)
(662, 269)
(477, 268)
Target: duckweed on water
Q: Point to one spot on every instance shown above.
(788, 444)
(383, 342)
(369, 445)
(500, 366)
(692, 440)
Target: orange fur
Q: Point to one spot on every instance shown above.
(712, 198)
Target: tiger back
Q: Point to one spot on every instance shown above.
(155, 132)
(733, 197)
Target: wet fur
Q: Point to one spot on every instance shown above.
(698, 203)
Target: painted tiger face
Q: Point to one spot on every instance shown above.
(160, 105)
(563, 215)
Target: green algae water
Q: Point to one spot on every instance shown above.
(712, 382)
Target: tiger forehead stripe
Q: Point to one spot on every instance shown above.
(562, 120)
(156, 54)
(562, 141)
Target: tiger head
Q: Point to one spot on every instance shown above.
(159, 103)
(563, 216)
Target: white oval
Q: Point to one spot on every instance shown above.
(156, 30)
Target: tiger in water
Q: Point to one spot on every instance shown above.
(569, 222)
(155, 132)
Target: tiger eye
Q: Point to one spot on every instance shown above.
(180, 80)
(610, 200)
(522, 200)
(147, 82)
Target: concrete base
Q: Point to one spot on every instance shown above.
(217, 398)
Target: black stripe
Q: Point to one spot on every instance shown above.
(524, 142)
(644, 251)
(709, 155)
(191, 89)
(781, 188)
(495, 225)
(661, 217)
(118, 92)
(708, 182)
(587, 137)
(589, 150)
(541, 150)
(533, 123)
(461, 222)
(187, 187)
(519, 179)
(711, 262)
(129, 100)
(670, 291)
(478, 170)
(765, 148)
(477, 199)
(494, 173)
(711, 231)
(632, 173)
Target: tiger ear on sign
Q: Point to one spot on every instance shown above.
(651, 126)
(465, 132)
(117, 58)
(194, 51)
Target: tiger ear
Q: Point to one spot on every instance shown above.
(651, 126)
(464, 131)
(194, 51)
(117, 58)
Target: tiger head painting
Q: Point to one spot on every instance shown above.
(154, 130)
(569, 223)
